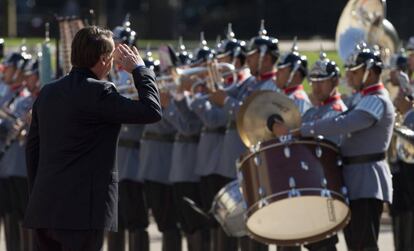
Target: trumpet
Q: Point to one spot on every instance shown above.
(215, 79)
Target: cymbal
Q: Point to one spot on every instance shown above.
(255, 111)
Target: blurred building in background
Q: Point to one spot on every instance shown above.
(167, 19)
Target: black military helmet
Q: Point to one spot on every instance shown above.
(150, 63)
(294, 60)
(264, 43)
(364, 56)
(231, 46)
(1, 47)
(124, 34)
(183, 56)
(323, 69)
(399, 61)
(410, 45)
(13, 59)
(203, 53)
(31, 67)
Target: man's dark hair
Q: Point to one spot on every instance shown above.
(89, 44)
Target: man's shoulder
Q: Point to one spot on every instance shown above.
(101, 85)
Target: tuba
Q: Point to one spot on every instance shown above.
(365, 20)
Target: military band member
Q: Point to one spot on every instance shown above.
(215, 176)
(186, 183)
(9, 70)
(261, 57)
(132, 208)
(324, 78)
(292, 69)
(402, 208)
(14, 80)
(156, 161)
(410, 54)
(13, 161)
(369, 126)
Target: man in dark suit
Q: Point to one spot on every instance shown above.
(71, 148)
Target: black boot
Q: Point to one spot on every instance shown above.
(257, 246)
(199, 240)
(26, 241)
(116, 241)
(171, 240)
(214, 239)
(226, 243)
(12, 232)
(288, 248)
(138, 240)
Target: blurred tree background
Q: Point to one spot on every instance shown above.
(168, 19)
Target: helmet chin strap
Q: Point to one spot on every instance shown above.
(262, 52)
(296, 67)
(369, 65)
(236, 54)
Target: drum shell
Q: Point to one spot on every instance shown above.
(229, 209)
(276, 169)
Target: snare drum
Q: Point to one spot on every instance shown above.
(229, 209)
(294, 191)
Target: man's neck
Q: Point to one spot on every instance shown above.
(266, 69)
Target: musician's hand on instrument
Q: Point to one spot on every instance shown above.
(276, 125)
(279, 129)
(128, 58)
(185, 85)
(218, 97)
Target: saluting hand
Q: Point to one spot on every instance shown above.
(128, 58)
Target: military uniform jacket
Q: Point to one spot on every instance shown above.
(71, 148)
(156, 154)
(129, 141)
(403, 177)
(13, 162)
(332, 107)
(300, 97)
(6, 93)
(233, 147)
(209, 149)
(184, 155)
(366, 129)
(128, 152)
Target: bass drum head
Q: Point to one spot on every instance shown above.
(298, 220)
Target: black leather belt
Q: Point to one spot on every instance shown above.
(158, 137)
(231, 125)
(359, 159)
(128, 143)
(187, 138)
(219, 130)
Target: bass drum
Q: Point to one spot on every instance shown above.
(294, 191)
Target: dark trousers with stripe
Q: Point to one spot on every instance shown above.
(362, 231)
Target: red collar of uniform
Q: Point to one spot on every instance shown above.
(16, 87)
(290, 90)
(331, 99)
(241, 76)
(371, 89)
(267, 75)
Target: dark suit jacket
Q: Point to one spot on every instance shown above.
(71, 148)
